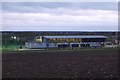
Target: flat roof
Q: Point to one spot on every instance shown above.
(82, 36)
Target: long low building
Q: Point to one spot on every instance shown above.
(66, 41)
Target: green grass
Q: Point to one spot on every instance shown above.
(81, 49)
(9, 48)
(58, 50)
(15, 48)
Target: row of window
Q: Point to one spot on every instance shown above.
(64, 40)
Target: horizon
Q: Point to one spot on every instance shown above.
(59, 31)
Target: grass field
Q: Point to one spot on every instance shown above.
(84, 63)
(14, 49)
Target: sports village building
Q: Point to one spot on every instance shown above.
(83, 41)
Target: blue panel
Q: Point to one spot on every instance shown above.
(33, 44)
(47, 45)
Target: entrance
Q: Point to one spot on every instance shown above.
(63, 46)
(85, 45)
(75, 45)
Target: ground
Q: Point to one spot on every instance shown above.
(61, 64)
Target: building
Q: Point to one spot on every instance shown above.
(83, 41)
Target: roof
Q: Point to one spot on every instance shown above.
(82, 36)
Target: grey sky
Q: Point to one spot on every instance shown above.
(59, 16)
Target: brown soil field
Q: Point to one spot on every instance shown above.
(62, 64)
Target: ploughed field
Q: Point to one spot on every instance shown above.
(61, 64)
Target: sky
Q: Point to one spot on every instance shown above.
(59, 16)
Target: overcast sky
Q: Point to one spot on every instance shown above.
(59, 16)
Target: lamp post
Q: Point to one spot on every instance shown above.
(13, 39)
